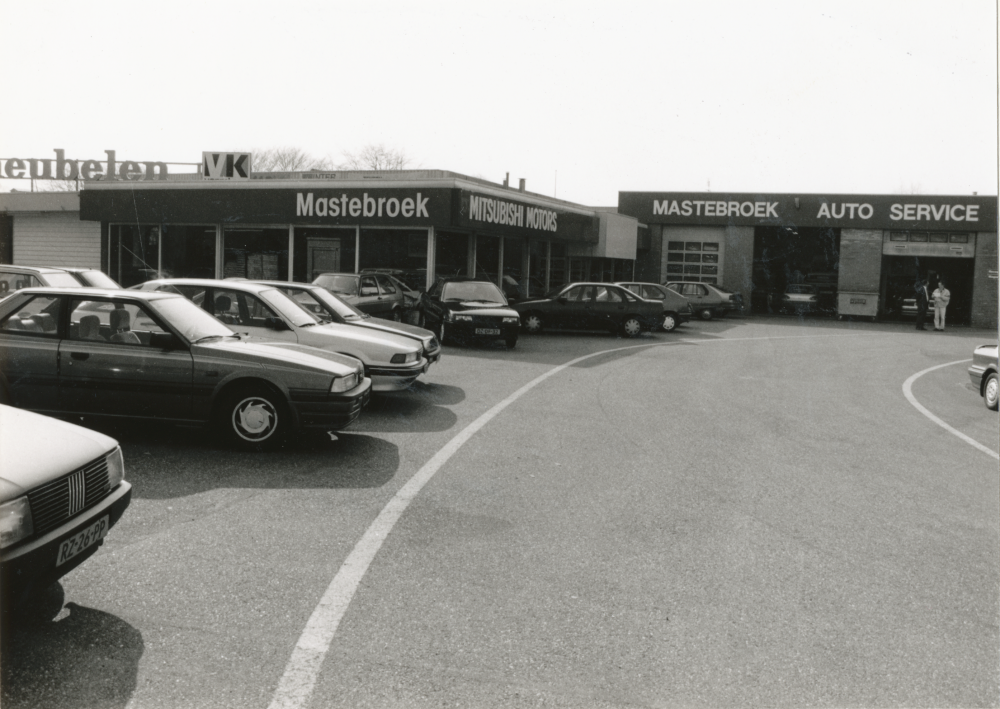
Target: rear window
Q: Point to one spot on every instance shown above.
(343, 285)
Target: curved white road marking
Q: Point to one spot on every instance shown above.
(908, 393)
(297, 683)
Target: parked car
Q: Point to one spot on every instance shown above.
(459, 307)
(328, 307)
(799, 299)
(983, 374)
(676, 308)
(62, 488)
(14, 278)
(411, 295)
(150, 355)
(591, 306)
(264, 313)
(372, 293)
(707, 300)
(91, 277)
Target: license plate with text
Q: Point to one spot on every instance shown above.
(487, 331)
(83, 539)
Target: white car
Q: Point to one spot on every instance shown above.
(393, 362)
(62, 487)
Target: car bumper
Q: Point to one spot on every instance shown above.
(396, 378)
(32, 566)
(976, 376)
(336, 411)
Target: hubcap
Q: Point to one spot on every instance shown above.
(254, 419)
(632, 327)
(991, 391)
(668, 323)
(532, 324)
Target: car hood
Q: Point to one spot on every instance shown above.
(281, 354)
(348, 338)
(481, 308)
(35, 449)
(395, 328)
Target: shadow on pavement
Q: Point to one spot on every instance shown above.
(72, 658)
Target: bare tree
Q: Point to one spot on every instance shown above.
(375, 157)
(57, 185)
(288, 160)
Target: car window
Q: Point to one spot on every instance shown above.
(634, 287)
(233, 307)
(608, 295)
(386, 285)
(368, 286)
(116, 322)
(307, 300)
(653, 293)
(288, 308)
(16, 281)
(579, 294)
(342, 284)
(38, 317)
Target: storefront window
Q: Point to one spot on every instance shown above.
(451, 254)
(257, 254)
(399, 252)
(187, 252)
(134, 253)
(319, 250)
(488, 258)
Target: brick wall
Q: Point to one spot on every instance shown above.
(984, 288)
(56, 239)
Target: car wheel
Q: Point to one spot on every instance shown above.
(511, 342)
(532, 323)
(669, 323)
(254, 417)
(990, 393)
(396, 317)
(705, 314)
(631, 327)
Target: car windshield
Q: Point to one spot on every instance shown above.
(474, 291)
(288, 308)
(345, 285)
(62, 279)
(97, 279)
(188, 319)
(332, 302)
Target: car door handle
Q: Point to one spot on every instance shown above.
(79, 355)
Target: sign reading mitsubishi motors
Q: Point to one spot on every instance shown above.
(515, 218)
(917, 212)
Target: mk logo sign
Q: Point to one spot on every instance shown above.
(225, 166)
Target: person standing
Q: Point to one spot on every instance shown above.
(941, 297)
(921, 289)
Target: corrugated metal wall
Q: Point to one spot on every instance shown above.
(56, 239)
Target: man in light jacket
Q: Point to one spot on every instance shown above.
(940, 296)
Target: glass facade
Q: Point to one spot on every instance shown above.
(321, 250)
(141, 252)
(255, 254)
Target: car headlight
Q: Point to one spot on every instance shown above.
(342, 384)
(463, 318)
(15, 521)
(405, 358)
(116, 467)
(512, 320)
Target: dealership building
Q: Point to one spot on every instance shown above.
(863, 251)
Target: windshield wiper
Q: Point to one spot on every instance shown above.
(215, 337)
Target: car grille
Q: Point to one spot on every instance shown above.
(55, 502)
(491, 320)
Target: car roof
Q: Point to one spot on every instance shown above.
(285, 284)
(74, 269)
(98, 292)
(465, 279)
(638, 283)
(253, 286)
(35, 269)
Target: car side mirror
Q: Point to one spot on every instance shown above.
(164, 341)
(277, 324)
(562, 299)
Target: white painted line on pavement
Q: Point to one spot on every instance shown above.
(908, 393)
(297, 683)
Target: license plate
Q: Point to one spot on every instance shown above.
(81, 540)
(487, 331)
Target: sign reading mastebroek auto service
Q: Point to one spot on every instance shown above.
(225, 166)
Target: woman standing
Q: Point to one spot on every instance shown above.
(940, 296)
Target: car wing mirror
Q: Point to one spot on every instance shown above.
(165, 341)
(277, 324)
(562, 299)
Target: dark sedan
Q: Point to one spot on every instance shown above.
(149, 355)
(466, 308)
(592, 306)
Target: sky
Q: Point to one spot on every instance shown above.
(580, 99)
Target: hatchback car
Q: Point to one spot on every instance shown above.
(983, 374)
(266, 314)
(372, 293)
(148, 355)
(591, 306)
(62, 488)
(707, 300)
(14, 278)
(467, 308)
(91, 277)
(328, 307)
(676, 308)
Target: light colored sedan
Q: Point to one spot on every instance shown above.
(983, 374)
(62, 488)
(264, 313)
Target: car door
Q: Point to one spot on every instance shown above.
(369, 298)
(696, 294)
(390, 296)
(29, 353)
(572, 308)
(108, 366)
(246, 313)
(608, 309)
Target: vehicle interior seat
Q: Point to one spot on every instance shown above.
(90, 328)
(120, 328)
(46, 322)
(223, 304)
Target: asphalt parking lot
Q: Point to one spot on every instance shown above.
(745, 512)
